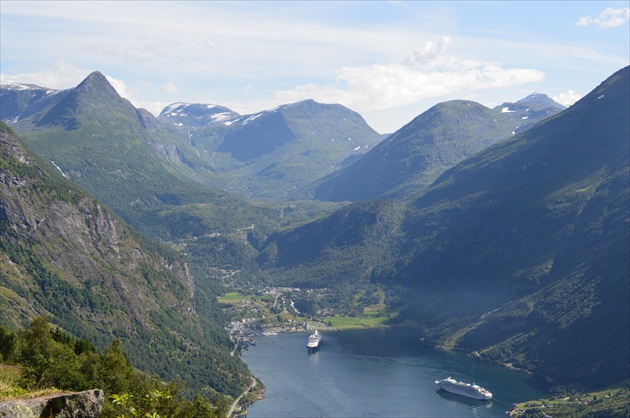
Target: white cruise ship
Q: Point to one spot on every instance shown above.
(465, 389)
(314, 340)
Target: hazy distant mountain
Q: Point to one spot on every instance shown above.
(64, 255)
(414, 156)
(276, 153)
(17, 99)
(318, 126)
(519, 253)
(196, 114)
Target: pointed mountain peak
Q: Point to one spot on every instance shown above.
(93, 100)
(96, 82)
(95, 76)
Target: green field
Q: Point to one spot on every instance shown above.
(233, 297)
(346, 322)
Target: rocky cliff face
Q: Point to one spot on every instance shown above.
(81, 240)
(65, 255)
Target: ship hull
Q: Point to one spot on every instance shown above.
(463, 389)
(314, 341)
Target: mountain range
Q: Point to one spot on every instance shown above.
(129, 160)
(277, 153)
(272, 154)
(503, 231)
(519, 253)
(414, 156)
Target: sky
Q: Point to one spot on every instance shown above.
(387, 60)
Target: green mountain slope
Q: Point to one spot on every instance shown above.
(132, 162)
(410, 159)
(342, 248)
(519, 253)
(533, 245)
(277, 153)
(63, 254)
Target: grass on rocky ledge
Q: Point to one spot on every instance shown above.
(10, 384)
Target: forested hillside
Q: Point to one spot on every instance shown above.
(529, 243)
(44, 361)
(65, 255)
(519, 253)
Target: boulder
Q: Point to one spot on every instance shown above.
(87, 404)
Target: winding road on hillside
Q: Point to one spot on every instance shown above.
(229, 414)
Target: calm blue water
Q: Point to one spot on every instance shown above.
(375, 373)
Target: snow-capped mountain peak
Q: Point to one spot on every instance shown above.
(197, 114)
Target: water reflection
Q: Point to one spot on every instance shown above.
(472, 403)
(313, 356)
(374, 373)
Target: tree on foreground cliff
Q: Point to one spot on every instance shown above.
(52, 359)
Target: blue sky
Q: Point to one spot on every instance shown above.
(389, 61)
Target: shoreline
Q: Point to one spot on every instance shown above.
(475, 354)
(409, 340)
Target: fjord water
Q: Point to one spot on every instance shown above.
(375, 373)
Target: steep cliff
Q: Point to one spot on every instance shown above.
(65, 255)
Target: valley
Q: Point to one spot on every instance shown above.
(270, 310)
(502, 232)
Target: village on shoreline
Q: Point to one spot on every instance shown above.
(272, 310)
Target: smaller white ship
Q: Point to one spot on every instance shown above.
(465, 389)
(314, 340)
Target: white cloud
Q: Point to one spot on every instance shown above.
(155, 107)
(120, 87)
(169, 88)
(567, 98)
(609, 18)
(428, 73)
(430, 51)
(61, 76)
(362, 54)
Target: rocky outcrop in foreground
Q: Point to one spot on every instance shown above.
(86, 404)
